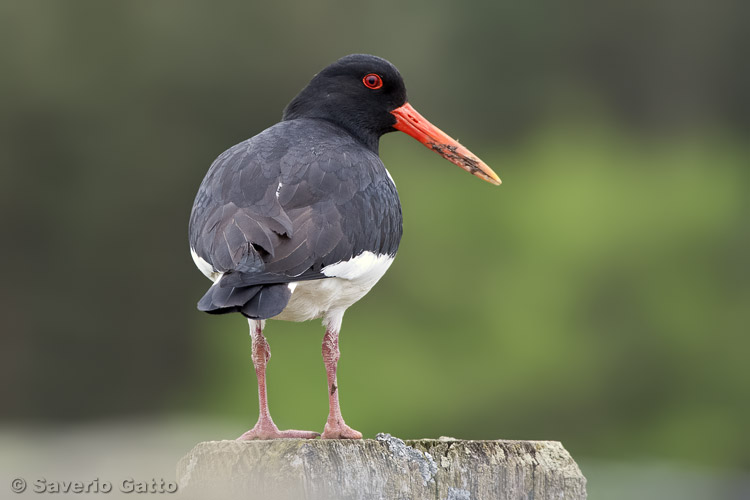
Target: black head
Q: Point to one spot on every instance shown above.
(357, 92)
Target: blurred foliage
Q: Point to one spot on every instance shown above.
(599, 297)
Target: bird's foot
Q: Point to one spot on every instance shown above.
(264, 430)
(337, 429)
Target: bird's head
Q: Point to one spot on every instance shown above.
(366, 95)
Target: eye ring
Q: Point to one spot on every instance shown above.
(372, 81)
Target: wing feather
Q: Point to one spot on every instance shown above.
(273, 210)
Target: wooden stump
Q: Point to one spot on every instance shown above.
(383, 468)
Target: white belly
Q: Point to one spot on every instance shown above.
(349, 281)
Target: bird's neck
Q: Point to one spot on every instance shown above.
(300, 108)
(370, 141)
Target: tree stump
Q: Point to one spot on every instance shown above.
(384, 468)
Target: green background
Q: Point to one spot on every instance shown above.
(599, 297)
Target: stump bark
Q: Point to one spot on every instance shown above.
(385, 468)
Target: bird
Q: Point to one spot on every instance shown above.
(300, 221)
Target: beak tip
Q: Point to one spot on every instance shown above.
(490, 176)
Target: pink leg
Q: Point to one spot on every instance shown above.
(335, 427)
(265, 428)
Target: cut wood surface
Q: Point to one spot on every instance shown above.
(383, 468)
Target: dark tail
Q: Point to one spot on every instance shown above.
(254, 302)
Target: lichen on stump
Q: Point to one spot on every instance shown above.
(382, 468)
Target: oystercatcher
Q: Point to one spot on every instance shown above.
(300, 221)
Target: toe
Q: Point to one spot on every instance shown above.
(254, 434)
(340, 431)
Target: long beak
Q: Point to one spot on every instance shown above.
(409, 121)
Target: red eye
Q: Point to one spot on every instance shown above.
(372, 81)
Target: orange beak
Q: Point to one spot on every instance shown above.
(409, 121)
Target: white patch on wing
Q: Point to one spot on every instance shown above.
(348, 282)
(278, 188)
(205, 267)
(390, 177)
(360, 267)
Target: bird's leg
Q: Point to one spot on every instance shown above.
(265, 428)
(335, 427)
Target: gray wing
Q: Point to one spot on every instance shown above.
(273, 210)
